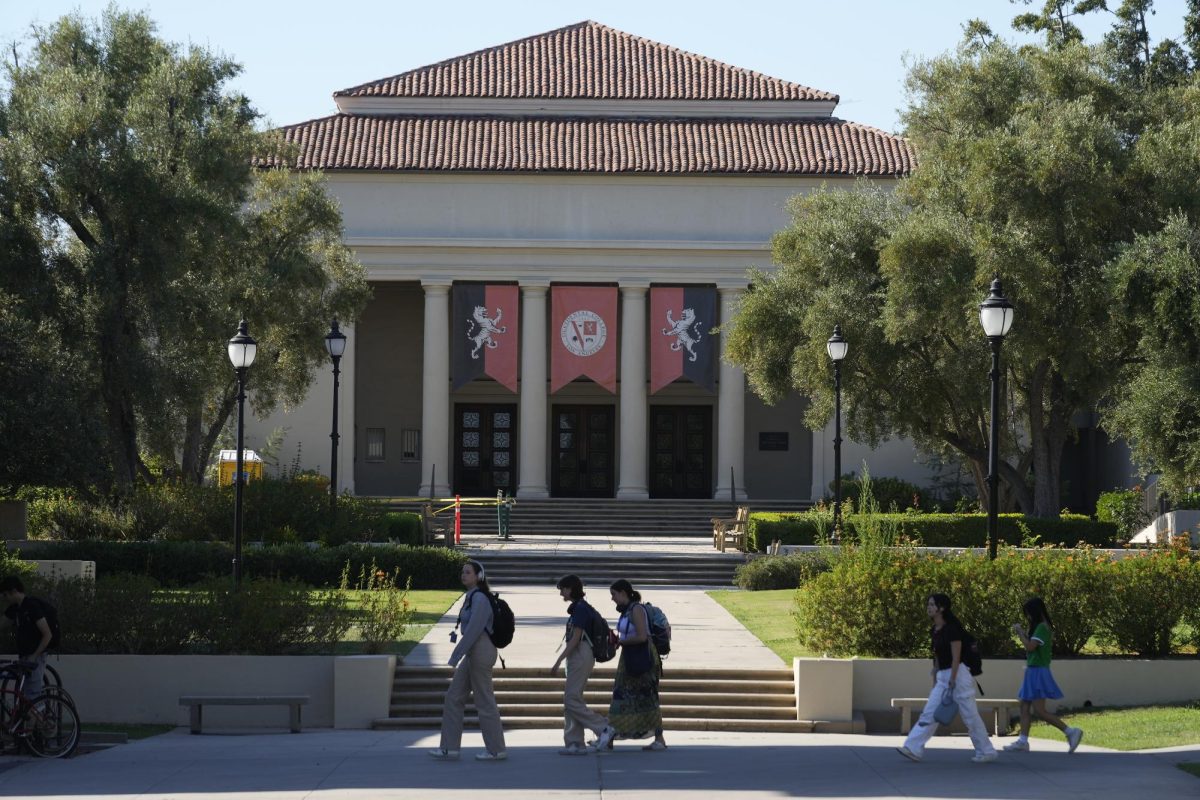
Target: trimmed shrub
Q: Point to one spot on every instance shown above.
(888, 492)
(781, 572)
(188, 563)
(931, 530)
(1123, 508)
(1150, 593)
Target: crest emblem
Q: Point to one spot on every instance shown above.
(583, 332)
(487, 326)
(681, 329)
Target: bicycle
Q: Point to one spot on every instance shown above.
(46, 725)
(52, 682)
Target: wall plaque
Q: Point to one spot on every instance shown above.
(772, 440)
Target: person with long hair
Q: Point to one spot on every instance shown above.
(1038, 685)
(581, 660)
(473, 659)
(951, 676)
(635, 712)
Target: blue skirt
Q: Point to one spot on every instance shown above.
(1039, 685)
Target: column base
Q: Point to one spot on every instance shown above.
(722, 493)
(633, 493)
(533, 493)
(439, 490)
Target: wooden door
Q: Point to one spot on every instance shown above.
(681, 451)
(583, 448)
(485, 446)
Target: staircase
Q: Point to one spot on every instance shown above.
(602, 568)
(692, 699)
(568, 516)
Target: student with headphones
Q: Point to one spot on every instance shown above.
(473, 659)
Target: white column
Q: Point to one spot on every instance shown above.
(731, 414)
(632, 414)
(532, 420)
(435, 392)
(346, 431)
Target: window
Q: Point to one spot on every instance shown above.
(375, 444)
(410, 445)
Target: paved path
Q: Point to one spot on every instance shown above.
(703, 634)
(365, 765)
(647, 546)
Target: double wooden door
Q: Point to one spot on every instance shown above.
(681, 451)
(584, 449)
(485, 445)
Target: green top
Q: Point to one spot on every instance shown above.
(1041, 656)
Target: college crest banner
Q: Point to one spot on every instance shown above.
(680, 343)
(583, 335)
(484, 333)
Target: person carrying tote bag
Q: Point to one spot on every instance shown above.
(635, 712)
(953, 687)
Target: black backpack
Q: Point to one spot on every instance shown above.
(971, 655)
(504, 623)
(603, 647)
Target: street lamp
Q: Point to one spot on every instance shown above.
(242, 349)
(837, 348)
(335, 343)
(996, 317)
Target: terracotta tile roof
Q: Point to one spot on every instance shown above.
(586, 61)
(491, 144)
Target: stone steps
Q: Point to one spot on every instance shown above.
(600, 569)
(692, 699)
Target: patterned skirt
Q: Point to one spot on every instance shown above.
(634, 712)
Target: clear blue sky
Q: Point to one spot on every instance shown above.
(297, 53)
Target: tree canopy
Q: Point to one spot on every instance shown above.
(137, 231)
(1044, 165)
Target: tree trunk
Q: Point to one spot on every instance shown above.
(206, 440)
(1047, 434)
(191, 467)
(115, 389)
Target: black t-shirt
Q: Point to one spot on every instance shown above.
(26, 615)
(950, 632)
(580, 613)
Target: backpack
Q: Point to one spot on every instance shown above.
(504, 622)
(604, 646)
(972, 656)
(660, 629)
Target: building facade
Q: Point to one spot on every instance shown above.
(552, 228)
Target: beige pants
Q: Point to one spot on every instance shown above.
(473, 679)
(577, 716)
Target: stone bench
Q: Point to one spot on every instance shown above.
(198, 702)
(1001, 710)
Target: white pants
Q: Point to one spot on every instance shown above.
(964, 695)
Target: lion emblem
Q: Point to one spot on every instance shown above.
(681, 329)
(487, 326)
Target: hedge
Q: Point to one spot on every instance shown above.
(187, 563)
(781, 572)
(932, 530)
(869, 605)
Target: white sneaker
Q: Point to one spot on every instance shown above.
(605, 740)
(573, 750)
(487, 756)
(1019, 746)
(909, 754)
(1074, 736)
(444, 755)
(984, 758)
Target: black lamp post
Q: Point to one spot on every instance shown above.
(837, 348)
(335, 343)
(242, 349)
(996, 317)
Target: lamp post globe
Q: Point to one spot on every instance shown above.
(242, 349)
(996, 315)
(335, 345)
(837, 347)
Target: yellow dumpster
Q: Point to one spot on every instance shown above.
(252, 467)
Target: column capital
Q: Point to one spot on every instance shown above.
(632, 285)
(731, 289)
(435, 285)
(534, 288)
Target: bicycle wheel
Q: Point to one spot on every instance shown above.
(51, 727)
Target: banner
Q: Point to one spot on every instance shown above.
(680, 343)
(484, 333)
(583, 335)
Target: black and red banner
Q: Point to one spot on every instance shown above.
(680, 343)
(484, 333)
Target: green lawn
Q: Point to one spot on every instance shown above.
(428, 607)
(768, 615)
(132, 730)
(1139, 728)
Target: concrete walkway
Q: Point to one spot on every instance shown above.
(703, 633)
(646, 546)
(365, 765)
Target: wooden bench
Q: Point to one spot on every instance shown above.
(1001, 711)
(431, 531)
(731, 530)
(198, 702)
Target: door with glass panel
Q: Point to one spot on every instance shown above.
(583, 447)
(485, 449)
(681, 451)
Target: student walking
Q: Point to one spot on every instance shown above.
(634, 712)
(473, 659)
(581, 660)
(1038, 685)
(950, 676)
